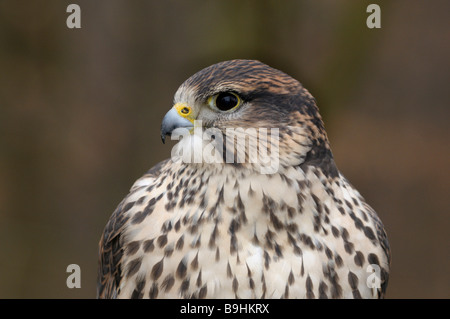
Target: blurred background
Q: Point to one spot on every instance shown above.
(80, 114)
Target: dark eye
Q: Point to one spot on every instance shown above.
(226, 101)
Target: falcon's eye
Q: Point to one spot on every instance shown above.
(225, 101)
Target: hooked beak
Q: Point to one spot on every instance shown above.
(174, 119)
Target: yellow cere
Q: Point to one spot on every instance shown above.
(184, 111)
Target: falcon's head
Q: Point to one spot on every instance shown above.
(248, 98)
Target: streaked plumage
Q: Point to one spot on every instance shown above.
(225, 230)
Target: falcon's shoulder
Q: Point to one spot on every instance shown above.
(384, 244)
(377, 233)
(111, 243)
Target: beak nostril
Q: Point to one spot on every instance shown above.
(174, 120)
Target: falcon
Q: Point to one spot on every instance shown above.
(250, 204)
